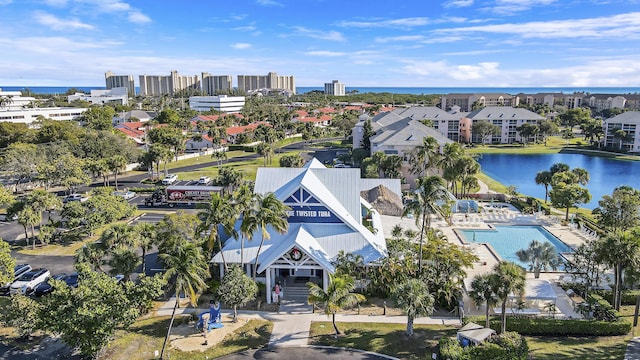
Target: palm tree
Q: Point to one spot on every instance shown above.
(620, 135)
(146, 237)
(117, 164)
(425, 156)
(41, 201)
(264, 211)
(117, 235)
(507, 278)
(620, 251)
(430, 190)
(28, 217)
(241, 200)
(483, 291)
(187, 266)
(124, 260)
(91, 254)
(540, 256)
(339, 295)
(544, 178)
(219, 212)
(414, 298)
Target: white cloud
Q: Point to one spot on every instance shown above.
(56, 23)
(5, 2)
(241, 46)
(269, 3)
(331, 35)
(399, 38)
(108, 6)
(325, 53)
(458, 3)
(393, 23)
(509, 7)
(611, 26)
(482, 70)
(138, 17)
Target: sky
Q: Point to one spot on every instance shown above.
(373, 43)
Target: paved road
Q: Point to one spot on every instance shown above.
(307, 353)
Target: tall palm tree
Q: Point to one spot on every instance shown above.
(28, 217)
(540, 256)
(620, 251)
(339, 295)
(241, 200)
(507, 278)
(414, 298)
(264, 211)
(117, 164)
(91, 254)
(117, 235)
(41, 201)
(218, 213)
(187, 267)
(425, 156)
(544, 178)
(124, 260)
(482, 291)
(146, 237)
(429, 191)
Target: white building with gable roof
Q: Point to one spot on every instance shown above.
(327, 216)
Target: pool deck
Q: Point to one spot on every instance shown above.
(487, 259)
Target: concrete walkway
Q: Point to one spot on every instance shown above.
(633, 349)
(292, 329)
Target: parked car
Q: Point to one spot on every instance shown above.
(74, 197)
(169, 179)
(28, 281)
(46, 287)
(204, 180)
(125, 194)
(18, 270)
(341, 166)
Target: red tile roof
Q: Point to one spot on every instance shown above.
(234, 130)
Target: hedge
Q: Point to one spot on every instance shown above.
(629, 297)
(558, 327)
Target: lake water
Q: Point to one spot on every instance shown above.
(520, 170)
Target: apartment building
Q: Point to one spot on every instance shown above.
(506, 117)
(117, 81)
(629, 122)
(249, 83)
(466, 102)
(118, 95)
(222, 103)
(29, 116)
(216, 84)
(160, 84)
(335, 88)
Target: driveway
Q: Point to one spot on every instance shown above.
(307, 353)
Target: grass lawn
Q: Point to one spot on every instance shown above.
(602, 348)
(555, 144)
(388, 339)
(141, 340)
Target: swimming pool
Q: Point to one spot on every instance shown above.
(506, 240)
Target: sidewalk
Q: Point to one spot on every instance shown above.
(292, 330)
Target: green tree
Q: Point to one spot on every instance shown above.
(540, 256)
(218, 214)
(21, 161)
(619, 211)
(430, 190)
(117, 164)
(229, 178)
(483, 290)
(123, 260)
(28, 217)
(22, 313)
(485, 129)
(508, 278)
(98, 117)
(568, 196)
(291, 161)
(366, 136)
(425, 156)
(548, 128)
(186, 268)
(236, 289)
(413, 297)
(621, 252)
(544, 178)
(527, 131)
(621, 136)
(146, 237)
(585, 265)
(7, 263)
(339, 295)
(90, 255)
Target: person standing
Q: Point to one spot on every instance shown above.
(277, 291)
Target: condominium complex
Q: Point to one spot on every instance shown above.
(623, 131)
(334, 88)
(116, 95)
(215, 84)
(160, 84)
(222, 103)
(248, 83)
(117, 81)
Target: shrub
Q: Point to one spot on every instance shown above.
(559, 327)
(450, 349)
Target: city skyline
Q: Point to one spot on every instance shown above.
(453, 43)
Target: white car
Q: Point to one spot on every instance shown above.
(127, 195)
(18, 270)
(341, 166)
(169, 179)
(75, 197)
(28, 281)
(204, 180)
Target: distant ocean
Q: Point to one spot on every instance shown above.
(393, 90)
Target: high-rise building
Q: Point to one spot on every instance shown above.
(160, 84)
(334, 88)
(116, 81)
(270, 81)
(215, 84)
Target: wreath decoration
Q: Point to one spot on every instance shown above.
(295, 254)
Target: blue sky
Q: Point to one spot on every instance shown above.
(421, 43)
